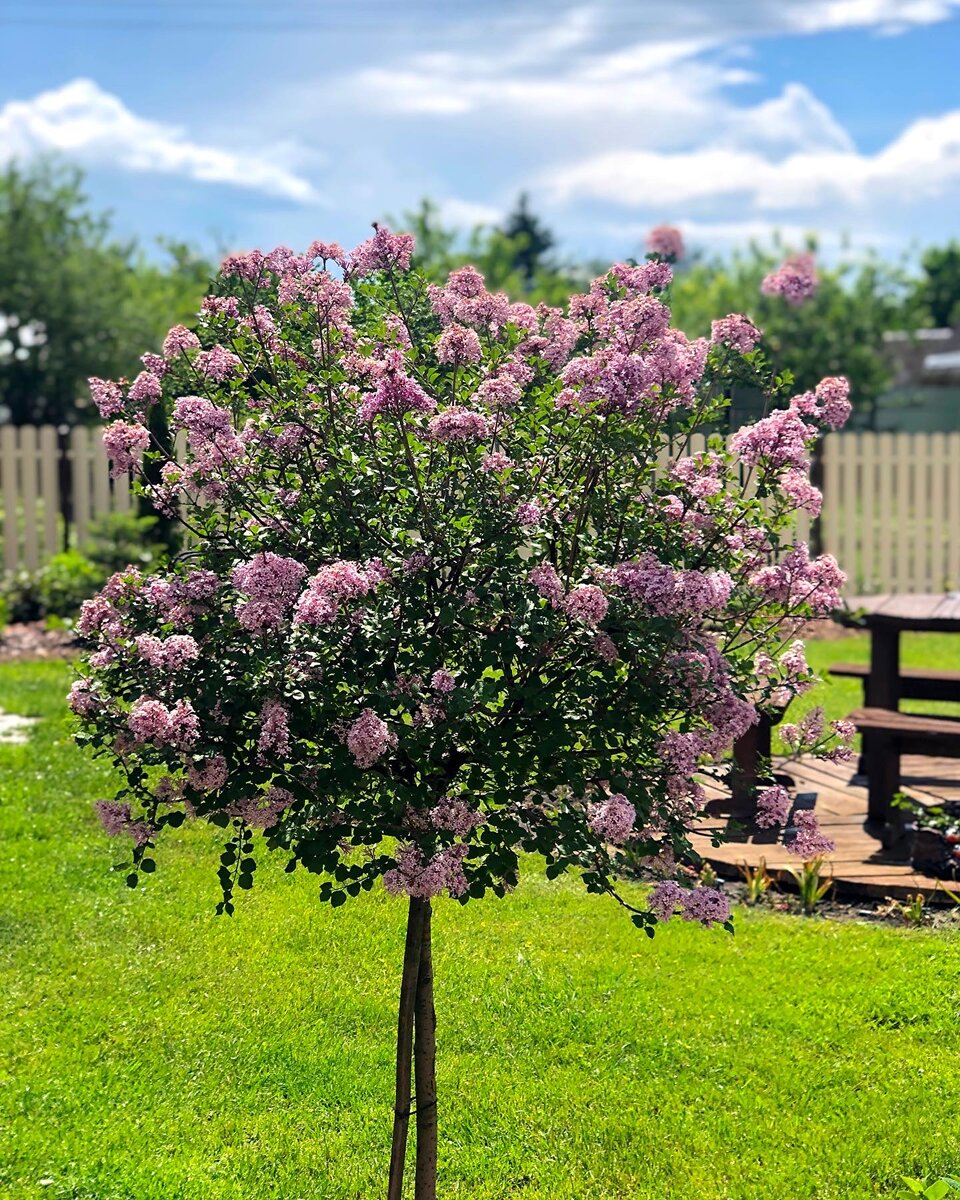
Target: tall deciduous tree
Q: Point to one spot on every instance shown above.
(98, 301)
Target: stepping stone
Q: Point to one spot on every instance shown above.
(14, 728)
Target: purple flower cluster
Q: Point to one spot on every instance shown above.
(613, 819)
(125, 445)
(368, 739)
(417, 876)
(457, 424)
(707, 905)
(666, 241)
(795, 279)
(736, 331)
(270, 584)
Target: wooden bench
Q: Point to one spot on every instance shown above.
(915, 683)
(893, 734)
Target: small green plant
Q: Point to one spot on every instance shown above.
(4, 613)
(810, 884)
(117, 540)
(65, 582)
(758, 880)
(913, 910)
(933, 1191)
(708, 876)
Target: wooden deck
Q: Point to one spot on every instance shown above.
(860, 866)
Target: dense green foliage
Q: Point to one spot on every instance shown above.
(152, 1051)
(938, 292)
(99, 302)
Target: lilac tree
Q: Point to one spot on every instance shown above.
(453, 592)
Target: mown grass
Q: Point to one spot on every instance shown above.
(152, 1051)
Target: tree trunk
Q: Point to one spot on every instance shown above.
(417, 916)
(425, 1067)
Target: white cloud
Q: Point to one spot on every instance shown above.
(927, 154)
(888, 16)
(466, 214)
(86, 123)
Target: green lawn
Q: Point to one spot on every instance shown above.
(151, 1051)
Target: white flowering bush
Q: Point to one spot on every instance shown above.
(454, 591)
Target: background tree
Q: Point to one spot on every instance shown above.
(99, 301)
(531, 239)
(512, 259)
(938, 292)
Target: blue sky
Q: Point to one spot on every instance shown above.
(253, 123)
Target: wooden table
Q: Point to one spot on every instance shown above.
(886, 617)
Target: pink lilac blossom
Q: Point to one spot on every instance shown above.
(605, 648)
(368, 739)
(496, 461)
(116, 820)
(155, 364)
(665, 898)
(613, 819)
(456, 424)
(795, 279)
(773, 806)
(208, 775)
(83, 699)
(781, 440)
(809, 842)
(422, 878)
(648, 277)
(796, 486)
(217, 363)
(499, 391)
(529, 514)
(270, 584)
(547, 582)
(150, 720)
(273, 743)
(442, 682)
(385, 251)
(262, 812)
(179, 340)
(125, 446)
(168, 654)
(586, 604)
(666, 241)
(145, 389)
(707, 905)
(833, 393)
(396, 393)
(799, 579)
(666, 591)
(107, 396)
(452, 814)
(457, 344)
(736, 331)
(247, 265)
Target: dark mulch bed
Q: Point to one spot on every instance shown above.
(34, 640)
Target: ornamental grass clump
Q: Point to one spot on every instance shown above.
(453, 591)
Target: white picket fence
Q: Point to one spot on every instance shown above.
(51, 487)
(891, 511)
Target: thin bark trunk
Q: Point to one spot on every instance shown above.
(425, 1067)
(417, 915)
